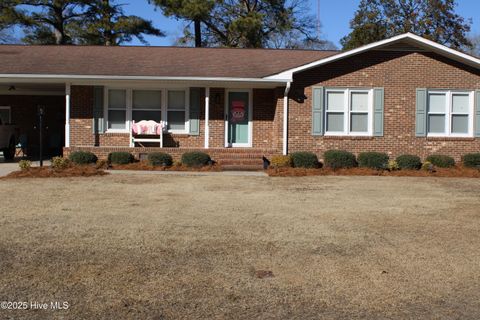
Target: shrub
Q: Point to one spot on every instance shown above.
(471, 160)
(195, 159)
(82, 157)
(441, 161)
(339, 159)
(409, 162)
(160, 159)
(101, 164)
(24, 164)
(305, 160)
(60, 163)
(428, 166)
(281, 161)
(120, 158)
(374, 160)
(392, 165)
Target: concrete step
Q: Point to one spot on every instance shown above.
(257, 162)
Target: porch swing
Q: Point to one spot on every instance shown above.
(147, 128)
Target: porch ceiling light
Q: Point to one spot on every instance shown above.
(12, 88)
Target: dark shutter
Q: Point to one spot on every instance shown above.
(195, 96)
(317, 111)
(98, 116)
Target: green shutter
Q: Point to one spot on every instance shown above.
(195, 96)
(98, 116)
(477, 113)
(421, 113)
(317, 111)
(378, 107)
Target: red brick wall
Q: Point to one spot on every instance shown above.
(265, 118)
(400, 73)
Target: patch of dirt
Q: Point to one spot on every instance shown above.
(49, 172)
(456, 172)
(144, 165)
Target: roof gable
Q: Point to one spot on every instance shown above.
(404, 42)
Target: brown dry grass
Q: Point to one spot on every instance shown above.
(456, 172)
(171, 247)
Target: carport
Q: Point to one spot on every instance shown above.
(19, 105)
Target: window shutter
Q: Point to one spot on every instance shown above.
(195, 111)
(421, 113)
(98, 116)
(317, 111)
(378, 107)
(477, 113)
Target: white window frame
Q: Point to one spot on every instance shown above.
(187, 109)
(9, 113)
(449, 112)
(129, 110)
(347, 106)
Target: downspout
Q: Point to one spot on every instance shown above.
(285, 118)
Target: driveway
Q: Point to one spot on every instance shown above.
(231, 247)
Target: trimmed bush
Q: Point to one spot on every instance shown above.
(83, 157)
(337, 159)
(441, 161)
(305, 160)
(24, 164)
(281, 161)
(373, 160)
(471, 160)
(120, 158)
(195, 159)
(409, 162)
(160, 159)
(60, 163)
(428, 166)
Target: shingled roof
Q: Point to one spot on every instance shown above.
(152, 61)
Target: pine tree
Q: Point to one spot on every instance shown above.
(433, 19)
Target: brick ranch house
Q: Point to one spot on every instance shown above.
(401, 95)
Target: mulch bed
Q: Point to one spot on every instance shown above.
(143, 165)
(49, 172)
(458, 171)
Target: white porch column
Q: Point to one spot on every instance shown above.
(207, 117)
(285, 119)
(67, 114)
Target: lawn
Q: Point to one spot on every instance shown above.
(217, 247)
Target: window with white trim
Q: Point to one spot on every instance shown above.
(450, 113)
(123, 105)
(348, 112)
(177, 110)
(147, 105)
(117, 109)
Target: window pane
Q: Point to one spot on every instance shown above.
(335, 101)
(359, 123)
(146, 115)
(176, 99)
(459, 124)
(436, 123)
(176, 120)
(116, 119)
(117, 99)
(147, 99)
(335, 122)
(4, 116)
(437, 102)
(359, 101)
(460, 103)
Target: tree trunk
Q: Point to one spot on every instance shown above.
(198, 33)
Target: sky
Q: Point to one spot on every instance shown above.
(335, 16)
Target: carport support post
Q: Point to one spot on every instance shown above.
(67, 114)
(285, 119)
(207, 116)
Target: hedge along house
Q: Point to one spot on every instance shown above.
(401, 95)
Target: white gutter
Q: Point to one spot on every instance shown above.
(60, 77)
(67, 114)
(285, 119)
